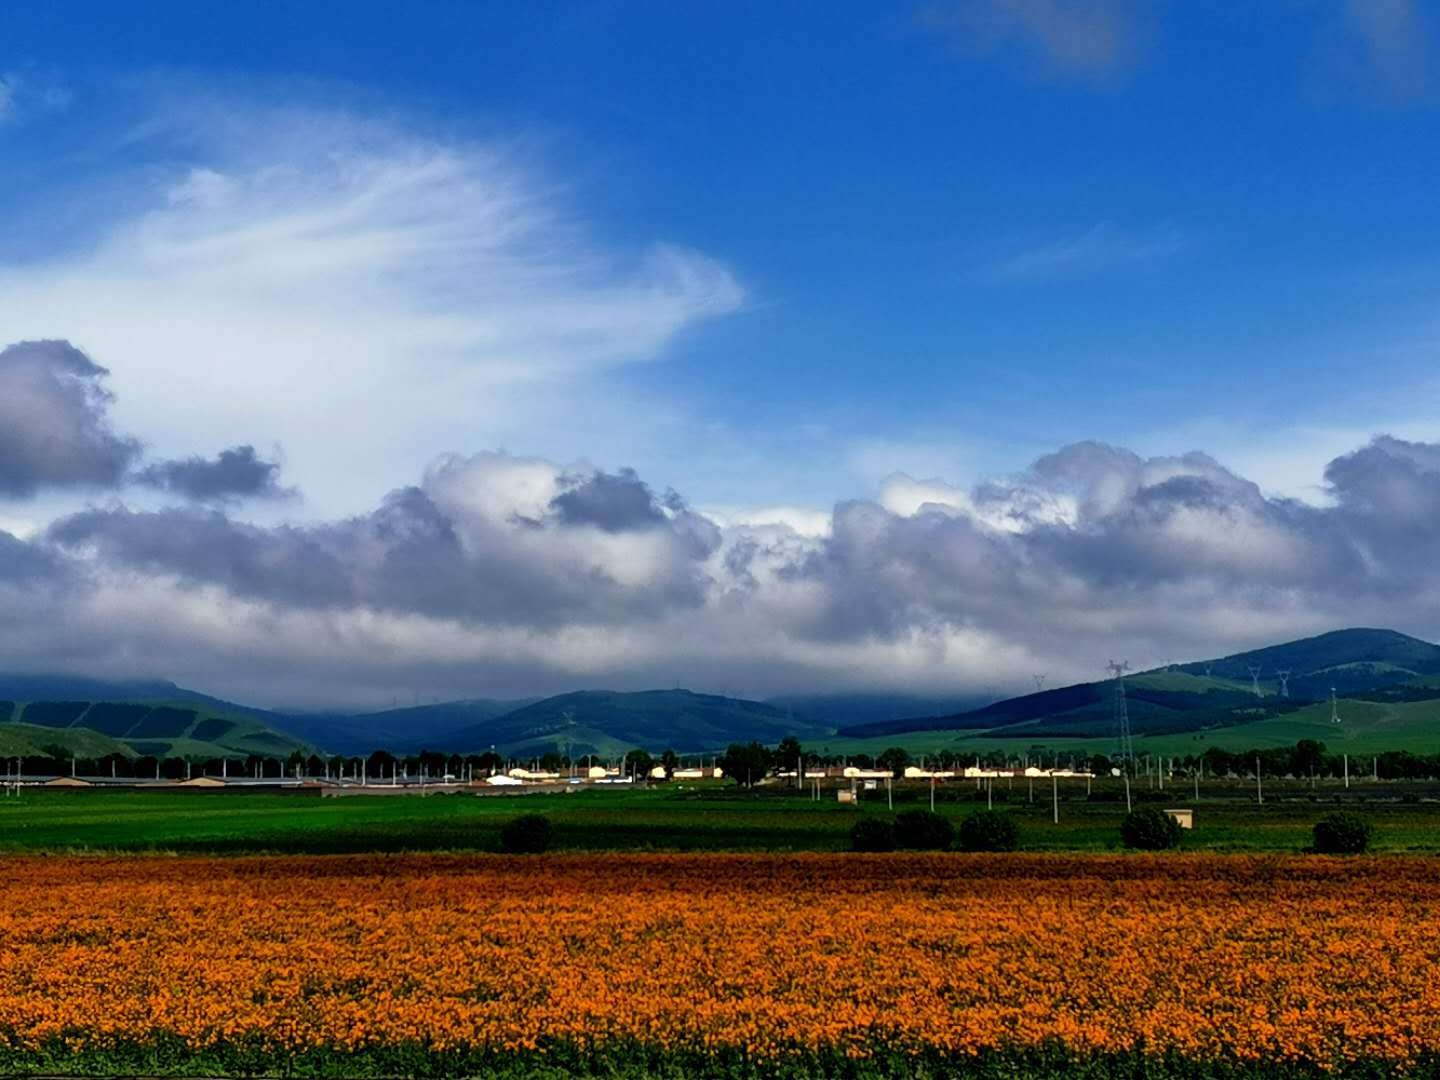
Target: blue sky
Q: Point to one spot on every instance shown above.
(956, 251)
(769, 256)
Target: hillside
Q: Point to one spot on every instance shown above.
(833, 711)
(1349, 660)
(1205, 694)
(401, 731)
(607, 722)
(121, 718)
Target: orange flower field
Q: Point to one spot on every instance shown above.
(1301, 958)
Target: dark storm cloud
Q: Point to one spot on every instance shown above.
(23, 563)
(237, 473)
(54, 431)
(284, 565)
(615, 502)
(411, 555)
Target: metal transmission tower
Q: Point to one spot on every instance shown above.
(1122, 712)
(1255, 670)
(1334, 707)
(1284, 677)
(1039, 682)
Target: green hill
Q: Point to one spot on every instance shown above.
(29, 740)
(401, 731)
(1377, 664)
(172, 728)
(607, 722)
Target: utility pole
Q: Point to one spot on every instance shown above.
(1259, 790)
(1346, 758)
(1055, 796)
(1122, 712)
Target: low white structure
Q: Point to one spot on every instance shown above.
(914, 772)
(1185, 818)
(526, 774)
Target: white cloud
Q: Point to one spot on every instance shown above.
(1093, 41)
(362, 295)
(1396, 40)
(1101, 248)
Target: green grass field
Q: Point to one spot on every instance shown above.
(710, 817)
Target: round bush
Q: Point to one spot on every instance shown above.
(872, 834)
(1150, 829)
(923, 830)
(528, 834)
(989, 830)
(1342, 834)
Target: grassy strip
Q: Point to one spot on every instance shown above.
(715, 818)
(172, 1058)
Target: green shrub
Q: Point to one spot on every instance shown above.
(1150, 829)
(989, 830)
(1342, 834)
(872, 834)
(923, 830)
(528, 834)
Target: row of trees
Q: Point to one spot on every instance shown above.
(745, 763)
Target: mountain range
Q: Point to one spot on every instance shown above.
(90, 718)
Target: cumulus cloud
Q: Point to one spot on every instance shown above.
(54, 427)
(237, 473)
(497, 574)
(1093, 41)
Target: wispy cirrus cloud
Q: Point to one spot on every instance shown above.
(298, 274)
(1095, 42)
(1396, 39)
(28, 92)
(1100, 249)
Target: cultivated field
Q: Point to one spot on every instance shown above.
(809, 964)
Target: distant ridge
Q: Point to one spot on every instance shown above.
(1202, 694)
(157, 717)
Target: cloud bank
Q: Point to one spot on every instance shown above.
(500, 574)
